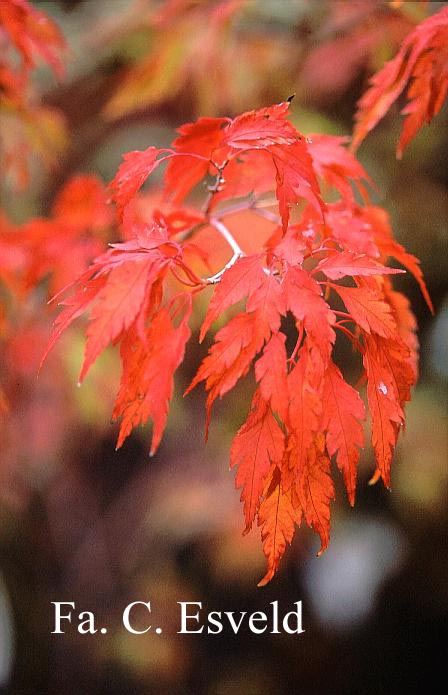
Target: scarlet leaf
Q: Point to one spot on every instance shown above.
(410, 262)
(33, 33)
(303, 411)
(295, 178)
(315, 491)
(269, 299)
(258, 444)
(132, 174)
(146, 389)
(75, 306)
(406, 325)
(305, 408)
(352, 229)
(237, 282)
(346, 263)
(368, 309)
(422, 58)
(341, 419)
(336, 165)
(230, 357)
(118, 304)
(384, 403)
(202, 138)
(261, 128)
(271, 371)
(304, 297)
(277, 518)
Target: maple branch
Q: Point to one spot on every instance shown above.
(250, 203)
(237, 251)
(217, 277)
(267, 214)
(222, 229)
(217, 186)
(247, 204)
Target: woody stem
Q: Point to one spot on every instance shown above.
(237, 251)
(222, 229)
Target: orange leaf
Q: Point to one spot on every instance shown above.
(237, 282)
(422, 58)
(368, 309)
(342, 414)
(146, 386)
(315, 491)
(258, 444)
(277, 518)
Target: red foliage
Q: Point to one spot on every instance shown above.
(421, 61)
(25, 126)
(33, 34)
(140, 294)
(77, 229)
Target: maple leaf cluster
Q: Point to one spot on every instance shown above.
(77, 228)
(319, 275)
(421, 61)
(28, 36)
(191, 47)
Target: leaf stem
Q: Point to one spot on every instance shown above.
(351, 337)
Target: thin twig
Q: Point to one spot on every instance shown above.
(222, 229)
(237, 251)
(267, 214)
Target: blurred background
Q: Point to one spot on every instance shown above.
(80, 522)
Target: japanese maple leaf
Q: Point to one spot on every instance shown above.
(118, 304)
(295, 178)
(304, 299)
(384, 403)
(250, 172)
(277, 518)
(368, 309)
(242, 278)
(352, 229)
(146, 386)
(261, 128)
(271, 373)
(269, 299)
(304, 412)
(258, 444)
(390, 247)
(117, 287)
(203, 137)
(33, 34)
(336, 165)
(342, 416)
(289, 247)
(406, 324)
(315, 490)
(231, 356)
(132, 173)
(345, 263)
(74, 306)
(304, 416)
(422, 58)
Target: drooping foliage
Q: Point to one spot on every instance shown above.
(422, 65)
(324, 265)
(284, 245)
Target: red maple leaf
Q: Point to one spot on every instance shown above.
(278, 303)
(421, 61)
